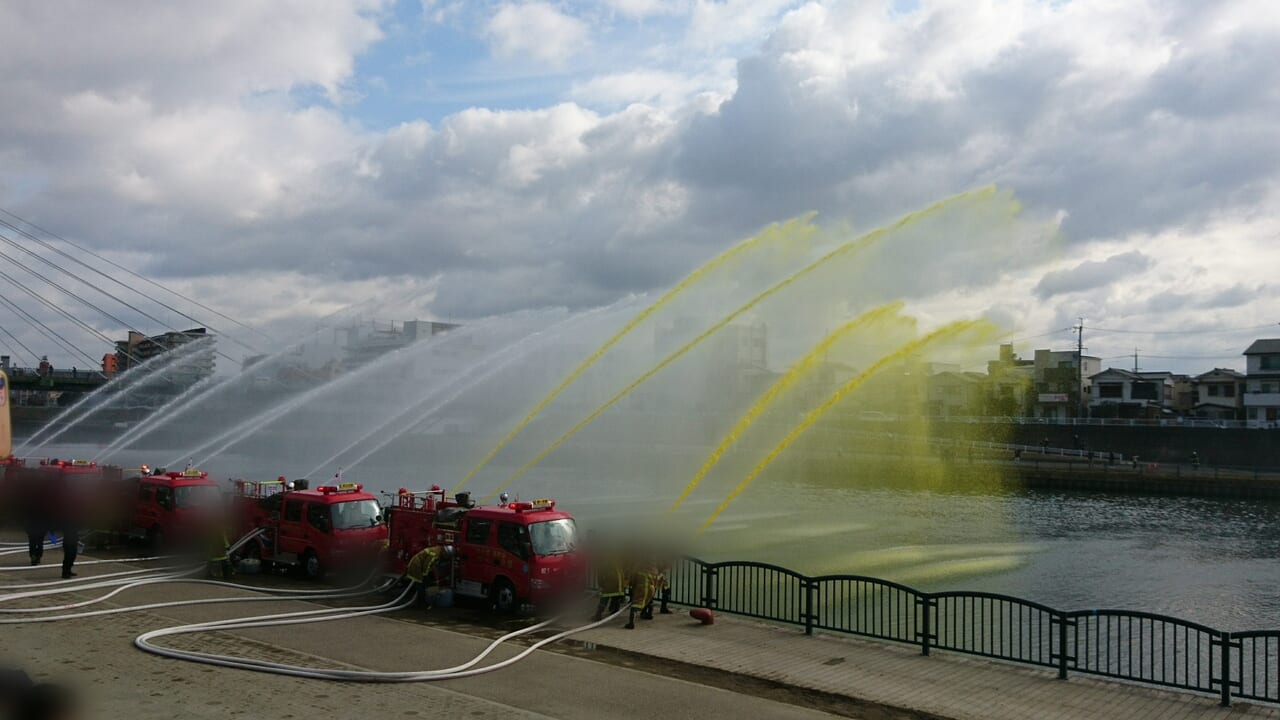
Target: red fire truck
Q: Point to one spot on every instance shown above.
(169, 509)
(332, 526)
(509, 554)
(65, 490)
(11, 471)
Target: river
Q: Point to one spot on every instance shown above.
(1213, 561)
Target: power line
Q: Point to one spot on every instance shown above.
(47, 331)
(34, 358)
(57, 250)
(54, 306)
(1219, 331)
(91, 305)
(64, 313)
(68, 273)
(117, 266)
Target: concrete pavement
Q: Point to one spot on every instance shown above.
(97, 656)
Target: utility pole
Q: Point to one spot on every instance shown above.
(1135, 360)
(1080, 406)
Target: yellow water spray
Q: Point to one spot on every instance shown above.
(946, 332)
(799, 369)
(792, 230)
(849, 248)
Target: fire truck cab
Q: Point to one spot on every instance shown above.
(510, 554)
(171, 508)
(316, 530)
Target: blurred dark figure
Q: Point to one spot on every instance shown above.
(70, 549)
(36, 532)
(35, 507)
(21, 699)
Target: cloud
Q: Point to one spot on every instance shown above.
(536, 30)
(221, 142)
(1092, 274)
(646, 8)
(666, 89)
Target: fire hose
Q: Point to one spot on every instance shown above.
(467, 669)
(124, 581)
(79, 563)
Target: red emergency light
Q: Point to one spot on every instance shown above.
(540, 504)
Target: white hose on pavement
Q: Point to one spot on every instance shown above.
(90, 582)
(332, 595)
(46, 566)
(459, 671)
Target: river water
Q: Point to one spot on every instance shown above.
(1213, 561)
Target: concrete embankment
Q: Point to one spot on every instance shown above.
(1157, 480)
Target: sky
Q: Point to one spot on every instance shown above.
(281, 160)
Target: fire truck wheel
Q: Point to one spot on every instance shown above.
(311, 565)
(504, 596)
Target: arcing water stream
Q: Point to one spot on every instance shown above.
(616, 411)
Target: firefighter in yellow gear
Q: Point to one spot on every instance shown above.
(421, 565)
(219, 554)
(642, 588)
(611, 577)
(661, 581)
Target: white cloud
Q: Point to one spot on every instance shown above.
(667, 89)
(535, 30)
(646, 8)
(192, 138)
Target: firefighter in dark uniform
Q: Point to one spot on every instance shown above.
(70, 546)
(69, 509)
(36, 511)
(421, 565)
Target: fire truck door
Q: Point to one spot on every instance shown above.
(292, 537)
(476, 566)
(145, 510)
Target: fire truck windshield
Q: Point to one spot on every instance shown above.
(197, 496)
(553, 537)
(356, 514)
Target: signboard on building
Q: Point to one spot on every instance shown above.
(1053, 397)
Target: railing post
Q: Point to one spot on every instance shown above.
(1061, 619)
(925, 603)
(809, 588)
(1226, 669)
(709, 586)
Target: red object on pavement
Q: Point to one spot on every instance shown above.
(703, 615)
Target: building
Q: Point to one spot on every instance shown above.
(365, 344)
(1219, 394)
(1262, 383)
(1118, 393)
(1061, 380)
(1010, 381)
(956, 394)
(139, 348)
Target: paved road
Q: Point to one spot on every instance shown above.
(121, 681)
